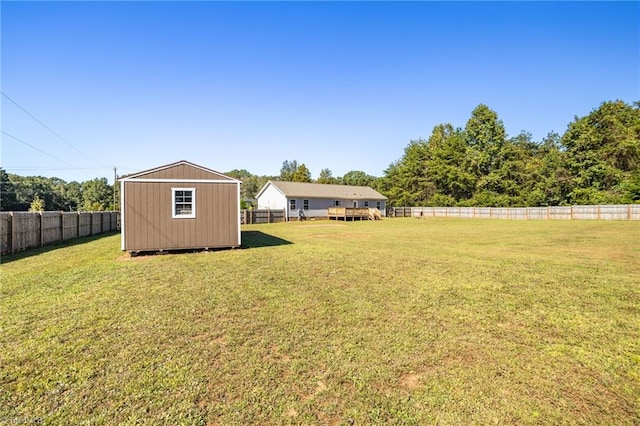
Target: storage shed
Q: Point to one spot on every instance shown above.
(179, 206)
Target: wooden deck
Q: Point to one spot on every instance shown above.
(353, 213)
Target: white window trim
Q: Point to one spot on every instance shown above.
(173, 204)
(305, 204)
(292, 204)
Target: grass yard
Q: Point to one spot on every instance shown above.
(401, 321)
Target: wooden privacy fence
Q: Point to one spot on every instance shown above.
(262, 216)
(605, 212)
(24, 230)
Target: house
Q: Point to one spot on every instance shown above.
(179, 206)
(315, 198)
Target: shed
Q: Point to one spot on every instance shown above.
(179, 206)
(315, 198)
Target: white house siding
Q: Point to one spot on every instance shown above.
(318, 206)
(272, 198)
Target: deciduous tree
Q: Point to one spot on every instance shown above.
(603, 153)
(485, 135)
(8, 198)
(37, 205)
(326, 177)
(357, 178)
(97, 195)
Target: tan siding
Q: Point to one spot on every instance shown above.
(183, 171)
(149, 225)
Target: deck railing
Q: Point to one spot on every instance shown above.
(348, 213)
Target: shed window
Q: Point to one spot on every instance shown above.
(366, 203)
(337, 203)
(184, 203)
(305, 204)
(292, 204)
(378, 205)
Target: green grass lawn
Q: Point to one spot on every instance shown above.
(400, 321)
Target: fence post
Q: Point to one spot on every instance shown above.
(41, 214)
(12, 232)
(629, 212)
(61, 227)
(571, 214)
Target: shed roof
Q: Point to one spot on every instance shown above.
(321, 190)
(160, 171)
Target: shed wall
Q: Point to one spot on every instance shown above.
(148, 224)
(183, 171)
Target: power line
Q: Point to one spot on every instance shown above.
(53, 168)
(50, 130)
(38, 149)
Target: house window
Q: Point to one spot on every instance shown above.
(366, 204)
(184, 203)
(292, 205)
(378, 205)
(337, 203)
(305, 204)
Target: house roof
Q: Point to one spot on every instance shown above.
(183, 163)
(321, 190)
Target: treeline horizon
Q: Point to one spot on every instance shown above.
(37, 193)
(595, 161)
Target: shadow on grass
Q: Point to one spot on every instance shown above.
(7, 258)
(256, 239)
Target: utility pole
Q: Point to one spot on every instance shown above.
(115, 185)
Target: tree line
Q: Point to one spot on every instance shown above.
(596, 161)
(37, 193)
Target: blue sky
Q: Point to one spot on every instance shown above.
(338, 85)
